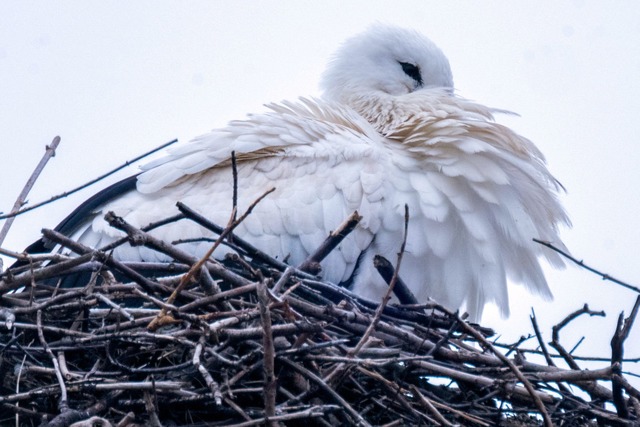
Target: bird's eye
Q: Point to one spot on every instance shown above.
(412, 71)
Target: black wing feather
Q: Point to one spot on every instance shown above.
(81, 214)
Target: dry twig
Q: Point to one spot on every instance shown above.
(582, 264)
(88, 184)
(22, 197)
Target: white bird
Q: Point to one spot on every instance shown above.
(387, 131)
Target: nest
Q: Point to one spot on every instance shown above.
(250, 341)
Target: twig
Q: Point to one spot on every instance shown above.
(543, 348)
(63, 403)
(426, 402)
(234, 198)
(387, 295)
(284, 278)
(541, 343)
(313, 412)
(238, 242)
(623, 328)
(233, 223)
(631, 390)
(312, 263)
(555, 338)
(270, 384)
(50, 151)
(115, 306)
(151, 408)
(83, 186)
(458, 413)
(582, 264)
(401, 290)
(480, 381)
(532, 392)
(142, 237)
(208, 379)
(88, 253)
(355, 415)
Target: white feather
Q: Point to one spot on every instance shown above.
(378, 139)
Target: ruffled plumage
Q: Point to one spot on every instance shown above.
(477, 192)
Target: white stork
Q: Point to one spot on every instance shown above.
(387, 131)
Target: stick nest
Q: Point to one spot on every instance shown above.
(251, 341)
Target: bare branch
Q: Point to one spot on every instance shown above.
(623, 328)
(270, 385)
(22, 197)
(88, 184)
(582, 264)
(312, 263)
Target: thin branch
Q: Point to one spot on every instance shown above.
(233, 223)
(312, 263)
(234, 198)
(88, 253)
(50, 151)
(63, 403)
(555, 337)
(623, 328)
(270, 384)
(582, 264)
(355, 415)
(543, 346)
(429, 406)
(532, 392)
(93, 181)
(208, 379)
(238, 242)
(300, 416)
(387, 295)
(401, 290)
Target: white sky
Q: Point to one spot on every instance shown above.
(115, 80)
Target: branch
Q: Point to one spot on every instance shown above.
(623, 328)
(312, 263)
(50, 151)
(355, 415)
(208, 379)
(238, 244)
(387, 295)
(233, 223)
(83, 186)
(63, 404)
(532, 392)
(581, 263)
(401, 290)
(268, 361)
(555, 337)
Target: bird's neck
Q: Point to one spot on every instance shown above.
(381, 110)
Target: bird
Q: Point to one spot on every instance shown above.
(387, 131)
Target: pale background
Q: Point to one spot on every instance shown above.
(115, 79)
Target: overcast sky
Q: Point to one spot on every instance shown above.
(115, 79)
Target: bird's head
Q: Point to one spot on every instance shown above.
(385, 60)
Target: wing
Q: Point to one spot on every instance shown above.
(320, 159)
(477, 193)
